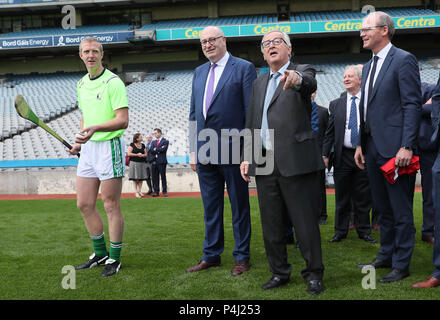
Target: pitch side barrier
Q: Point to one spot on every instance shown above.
(67, 162)
(58, 40)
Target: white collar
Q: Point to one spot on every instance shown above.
(382, 54)
(222, 62)
(282, 69)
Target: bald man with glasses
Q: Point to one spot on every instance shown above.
(219, 100)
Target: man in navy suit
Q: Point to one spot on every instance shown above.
(219, 100)
(427, 153)
(434, 279)
(159, 151)
(391, 108)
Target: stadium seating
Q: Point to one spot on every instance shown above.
(344, 15)
(49, 96)
(168, 24)
(153, 103)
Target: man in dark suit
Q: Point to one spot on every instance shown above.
(219, 100)
(279, 112)
(391, 103)
(427, 153)
(319, 120)
(434, 279)
(149, 162)
(352, 190)
(159, 152)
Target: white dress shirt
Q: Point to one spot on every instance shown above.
(347, 135)
(382, 54)
(221, 64)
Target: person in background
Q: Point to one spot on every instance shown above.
(159, 153)
(434, 279)
(149, 163)
(137, 168)
(352, 189)
(427, 154)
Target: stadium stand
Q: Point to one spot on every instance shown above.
(224, 21)
(162, 98)
(163, 104)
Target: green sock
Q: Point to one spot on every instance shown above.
(99, 245)
(115, 250)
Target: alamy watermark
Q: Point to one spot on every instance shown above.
(69, 280)
(369, 281)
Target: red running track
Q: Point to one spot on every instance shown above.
(124, 195)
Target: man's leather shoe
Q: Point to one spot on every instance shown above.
(336, 238)
(155, 194)
(377, 264)
(429, 239)
(274, 282)
(431, 282)
(394, 275)
(240, 267)
(202, 265)
(315, 287)
(368, 238)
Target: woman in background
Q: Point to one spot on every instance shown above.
(137, 170)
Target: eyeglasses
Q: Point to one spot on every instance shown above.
(211, 41)
(276, 42)
(370, 28)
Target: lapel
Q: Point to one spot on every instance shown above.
(383, 70)
(342, 110)
(340, 117)
(203, 78)
(279, 87)
(227, 71)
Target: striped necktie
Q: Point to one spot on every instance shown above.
(352, 123)
(314, 116)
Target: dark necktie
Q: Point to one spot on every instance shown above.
(370, 91)
(352, 123)
(315, 117)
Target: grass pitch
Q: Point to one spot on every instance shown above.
(163, 237)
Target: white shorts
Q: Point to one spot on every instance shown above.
(102, 159)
